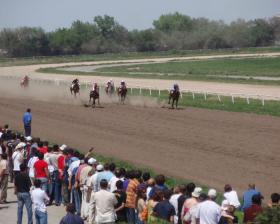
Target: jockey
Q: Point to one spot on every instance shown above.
(75, 81)
(174, 87)
(95, 87)
(123, 84)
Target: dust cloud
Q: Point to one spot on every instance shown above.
(48, 91)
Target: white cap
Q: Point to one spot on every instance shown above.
(212, 193)
(197, 191)
(20, 145)
(99, 167)
(62, 147)
(28, 138)
(91, 161)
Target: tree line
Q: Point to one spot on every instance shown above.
(170, 32)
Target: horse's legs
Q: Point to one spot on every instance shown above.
(173, 103)
(169, 99)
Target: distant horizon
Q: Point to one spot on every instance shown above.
(52, 15)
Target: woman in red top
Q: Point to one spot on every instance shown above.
(41, 172)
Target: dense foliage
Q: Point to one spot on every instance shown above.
(171, 31)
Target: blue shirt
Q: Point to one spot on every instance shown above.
(71, 219)
(27, 117)
(164, 210)
(247, 198)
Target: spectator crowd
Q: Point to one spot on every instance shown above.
(51, 175)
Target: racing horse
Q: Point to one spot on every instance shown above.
(122, 90)
(75, 89)
(94, 95)
(109, 89)
(25, 81)
(174, 95)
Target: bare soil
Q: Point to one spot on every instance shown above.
(206, 146)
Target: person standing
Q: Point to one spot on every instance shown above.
(39, 199)
(27, 118)
(4, 174)
(22, 188)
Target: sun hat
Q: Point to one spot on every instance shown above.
(212, 193)
(99, 167)
(20, 145)
(197, 191)
(91, 161)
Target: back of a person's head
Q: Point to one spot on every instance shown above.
(70, 208)
(167, 194)
(119, 184)
(160, 179)
(137, 174)
(146, 176)
(70, 151)
(50, 149)
(28, 110)
(40, 156)
(106, 166)
(130, 174)
(112, 167)
(40, 144)
(176, 190)
(257, 199)
(45, 143)
(76, 154)
(22, 167)
(183, 188)
(103, 184)
(227, 188)
(34, 150)
(275, 197)
(55, 148)
(123, 171)
(251, 186)
(37, 183)
(190, 188)
(118, 173)
(157, 196)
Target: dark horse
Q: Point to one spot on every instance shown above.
(122, 90)
(25, 81)
(174, 95)
(109, 89)
(94, 95)
(75, 89)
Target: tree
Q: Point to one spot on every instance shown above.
(173, 22)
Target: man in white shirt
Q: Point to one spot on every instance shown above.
(104, 204)
(18, 157)
(39, 199)
(174, 201)
(208, 212)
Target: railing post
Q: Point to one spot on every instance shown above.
(263, 101)
(193, 95)
(205, 96)
(232, 99)
(131, 90)
(159, 92)
(219, 98)
(248, 100)
(140, 91)
(150, 91)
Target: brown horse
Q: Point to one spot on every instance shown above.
(75, 89)
(109, 89)
(122, 90)
(94, 95)
(174, 95)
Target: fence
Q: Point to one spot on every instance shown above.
(148, 90)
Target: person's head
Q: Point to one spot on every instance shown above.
(257, 199)
(183, 188)
(146, 176)
(141, 193)
(230, 210)
(106, 166)
(119, 185)
(123, 171)
(160, 179)
(275, 197)
(251, 186)
(70, 208)
(99, 168)
(6, 126)
(202, 197)
(190, 188)
(112, 167)
(40, 156)
(137, 174)
(157, 196)
(151, 182)
(167, 194)
(227, 188)
(22, 167)
(55, 148)
(212, 194)
(28, 110)
(118, 173)
(103, 184)
(37, 183)
(76, 154)
(176, 190)
(40, 144)
(45, 143)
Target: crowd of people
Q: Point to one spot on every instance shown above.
(93, 192)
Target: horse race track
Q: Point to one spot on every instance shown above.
(207, 146)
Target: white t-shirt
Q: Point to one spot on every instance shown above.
(39, 199)
(174, 201)
(112, 183)
(232, 198)
(93, 182)
(208, 212)
(30, 165)
(17, 160)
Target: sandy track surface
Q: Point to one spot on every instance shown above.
(222, 88)
(207, 146)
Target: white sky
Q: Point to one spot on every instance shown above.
(133, 14)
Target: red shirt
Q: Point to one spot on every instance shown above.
(60, 165)
(39, 167)
(251, 212)
(43, 149)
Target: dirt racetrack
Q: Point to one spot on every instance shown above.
(207, 146)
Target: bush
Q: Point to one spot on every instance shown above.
(269, 216)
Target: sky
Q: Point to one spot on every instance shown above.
(133, 14)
